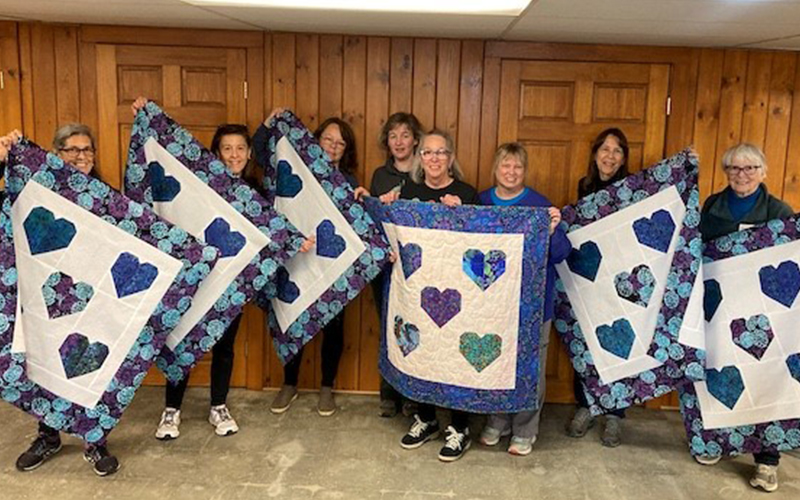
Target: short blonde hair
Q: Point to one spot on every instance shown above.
(510, 149)
(745, 151)
(417, 171)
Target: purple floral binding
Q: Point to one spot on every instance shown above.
(363, 270)
(781, 435)
(681, 362)
(285, 238)
(29, 163)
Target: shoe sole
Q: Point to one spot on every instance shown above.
(758, 484)
(610, 444)
(39, 464)
(486, 442)
(580, 434)
(518, 453)
(167, 437)
(226, 433)
(101, 473)
(325, 413)
(453, 459)
(414, 446)
(278, 411)
(707, 463)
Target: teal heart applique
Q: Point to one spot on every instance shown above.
(479, 351)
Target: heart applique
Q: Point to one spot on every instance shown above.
(793, 363)
(655, 232)
(288, 184)
(410, 258)
(130, 276)
(617, 339)
(482, 269)
(585, 261)
(725, 385)
(479, 351)
(79, 357)
(781, 284)
(754, 336)
(288, 291)
(163, 187)
(45, 233)
(440, 306)
(407, 335)
(712, 298)
(329, 244)
(636, 286)
(64, 297)
(229, 243)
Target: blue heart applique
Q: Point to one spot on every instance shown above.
(781, 284)
(655, 232)
(288, 184)
(479, 351)
(229, 243)
(725, 385)
(163, 187)
(585, 261)
(482, 269)
(617, 339)
(440, 306)
(288, 291)
(793, 363)
(410, 258)
(636, 286)
(63, 297)
(329, 244)
(712, 298)
(407, 336)
(79, 357)
(45, 233)
(130, 276)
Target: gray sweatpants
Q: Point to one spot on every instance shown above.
(525, 424)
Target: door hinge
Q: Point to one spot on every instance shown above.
(669, 105)
(245, 91)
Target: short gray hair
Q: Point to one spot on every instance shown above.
(745, 151)
(72, 129)
(417, 171)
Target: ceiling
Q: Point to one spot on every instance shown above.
(768, 24)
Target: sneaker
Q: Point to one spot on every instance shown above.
(580, 423)
(491, 436)
(765, 477)
(168, 426)
(326, 405)
(284, 399)
(707, 459)
(612, 435)
(104, 462)
(420, 433)
(42, 448)
(456, 444)
(521, 446)
(410, 408)
(223, 422)
(388, 408)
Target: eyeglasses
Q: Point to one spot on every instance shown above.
(330, 141)
(75, 152)
(747, 169)
(441, 154)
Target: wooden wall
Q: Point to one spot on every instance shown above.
(719, 97)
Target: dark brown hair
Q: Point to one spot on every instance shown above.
(349, 162)
(591, 182)
(249, 174)
(397, 119)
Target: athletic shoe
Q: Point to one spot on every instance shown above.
(707, 459)
(420, 433)
(521, 446)
(168, 426)
(42, 448)
(223, 422)
(580, 423)
(104, 463)
(456, 444)
(326, 405)
(491, 436)
(284, 399)
(612, 435)
(388, 408)
(765, 477)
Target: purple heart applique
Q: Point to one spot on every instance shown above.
(440, 306)
(164, 188)
(130, 276)
(45, 233)
(288, 291)
(218, 234)
(63, 297)
(79, 357)
(781, 284)
(329, 244)
(410, 258)
(636, 286)
(482, 269)
(655, 232)
(406, 334)
(754, 335)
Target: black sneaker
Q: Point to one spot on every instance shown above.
(42, 448)
(456, 444)
(420, 433)
(104, 462)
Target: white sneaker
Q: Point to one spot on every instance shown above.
(521, 446)
(168, 426)
(707, 459)
(765, 477)
(223, 422)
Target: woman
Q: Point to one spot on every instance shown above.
(399, 138)
(437, 177)
(338, 141)
(745, 202)
(508, 170)
(608, 164)
(75, 145)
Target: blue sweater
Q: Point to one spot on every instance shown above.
(559, 243)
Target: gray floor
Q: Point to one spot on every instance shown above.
(355, 455)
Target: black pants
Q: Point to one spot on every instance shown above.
(580, 398)
(458, 419)
(53, 434)
(768, 458)
(332, 347)
(221, 369)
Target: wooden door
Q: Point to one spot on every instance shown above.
(556, 109)
(199, 87)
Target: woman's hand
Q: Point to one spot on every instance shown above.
(138, 105)
(272, 114)
(7, 141)
(555, 218)
(360, 193)
(451, 200)
(389, 197)
(308, 244)
(392, 256)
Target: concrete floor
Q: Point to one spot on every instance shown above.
(356, 455)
